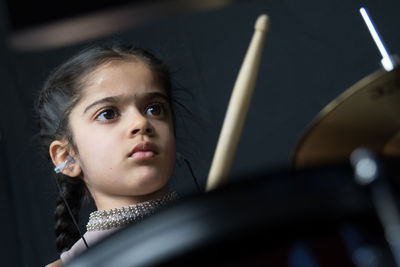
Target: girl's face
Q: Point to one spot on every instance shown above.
(123, 131)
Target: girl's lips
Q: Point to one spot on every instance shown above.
(143, 154)
(144, 150)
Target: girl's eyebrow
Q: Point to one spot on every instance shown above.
(152, 95)
(108, 100)
(119, 98)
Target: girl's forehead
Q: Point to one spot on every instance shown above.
(117, 68)
(119, 77)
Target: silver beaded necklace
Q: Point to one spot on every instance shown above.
(112, 218)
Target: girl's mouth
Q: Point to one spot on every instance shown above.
(144, 150)
(143, 154)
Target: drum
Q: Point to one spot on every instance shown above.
(310, 217)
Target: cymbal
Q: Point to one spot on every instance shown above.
(365, 115)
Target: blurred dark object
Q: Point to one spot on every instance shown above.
(46, 11)
(266, 219)
(42, 25)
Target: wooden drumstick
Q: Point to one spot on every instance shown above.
(238, 107)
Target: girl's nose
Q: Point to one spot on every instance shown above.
(147, 130)
(141, 125)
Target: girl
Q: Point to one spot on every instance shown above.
(106, 119)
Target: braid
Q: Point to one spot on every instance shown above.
(73, 191)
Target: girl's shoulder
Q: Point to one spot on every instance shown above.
(56, 263)
(91, 237)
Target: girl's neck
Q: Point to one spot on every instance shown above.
(111, 202)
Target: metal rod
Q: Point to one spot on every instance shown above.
(386, 61)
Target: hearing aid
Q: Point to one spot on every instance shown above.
(60, 167)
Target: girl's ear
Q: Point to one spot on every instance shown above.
(59, 153)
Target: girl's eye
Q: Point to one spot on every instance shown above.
(107, 114)
(155, 110)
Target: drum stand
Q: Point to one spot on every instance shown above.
(370, 171)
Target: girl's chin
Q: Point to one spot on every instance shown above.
(146, 172)
(149, 181)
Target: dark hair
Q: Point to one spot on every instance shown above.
(60, 93)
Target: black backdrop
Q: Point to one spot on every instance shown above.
(313, 52)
